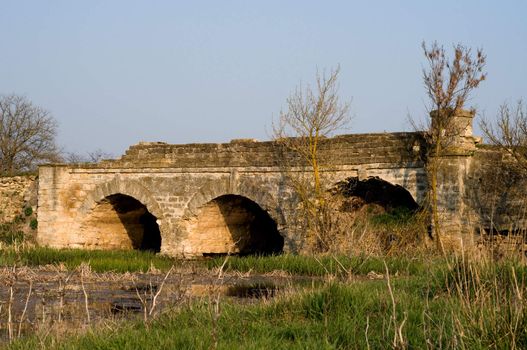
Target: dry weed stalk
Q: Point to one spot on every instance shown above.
(366, 332)
(214, 302)
(21, 320)
(154, 299)
(63, 280)
(11, 283)
(14, 326)
(85, 269)
(398, 337)
(148, 308)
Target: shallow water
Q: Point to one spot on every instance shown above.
(59, 297)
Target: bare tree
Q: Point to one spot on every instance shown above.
(449, 83)
(311, 116)
(27, 135)
(509, 134)
(73, 157)
(98, 155)
(91, 157)
(510, 131)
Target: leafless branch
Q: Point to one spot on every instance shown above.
(449, 83)
(21, 320)
(27, 135)
(312, 114)
(510, 131)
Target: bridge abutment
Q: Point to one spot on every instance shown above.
(183, 190)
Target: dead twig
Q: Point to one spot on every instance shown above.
(398, 338)
(25, 309)
(154, 299)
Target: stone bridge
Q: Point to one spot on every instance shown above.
(198, 199)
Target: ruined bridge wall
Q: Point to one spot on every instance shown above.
(494, 193)
(16, 193)
(175, 181)
(479, 188)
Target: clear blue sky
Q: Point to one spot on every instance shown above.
(117, 72)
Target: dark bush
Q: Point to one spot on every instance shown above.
(9, 234)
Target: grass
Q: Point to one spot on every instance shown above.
(423, 311)
(323, 265)
(395, 217)
(141, 261)
(135, 260)
(99, 260)
(429, 302)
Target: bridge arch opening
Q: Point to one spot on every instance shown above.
(233, 224)
(385, 215)
(375, 190)
(121, 222)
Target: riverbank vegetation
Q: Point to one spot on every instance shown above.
(450, 302)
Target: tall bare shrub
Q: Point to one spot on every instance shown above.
(449, 83)
(312, 114)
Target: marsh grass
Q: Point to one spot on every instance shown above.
(413, 302)
(492, 302)
(98, 260)
(459, 303)
(323, 265)
(462, 305)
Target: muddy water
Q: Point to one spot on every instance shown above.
(44, 298)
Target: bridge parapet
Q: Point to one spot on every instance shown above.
(174, 183)
(404, 148)
(170, 181)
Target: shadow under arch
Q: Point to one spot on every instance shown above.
(238, 225)
(375, 190)
(210, 191)
(221, 220)
(132, 204)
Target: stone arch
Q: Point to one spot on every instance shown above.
(219, 219)
(412, 179)
(127, 189)
(257, 194)
(130, 188)
(375, 189)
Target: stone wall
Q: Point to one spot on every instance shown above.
(196, 198)
(16, 193)
(176, 183)
(481, 189)
(494, 195)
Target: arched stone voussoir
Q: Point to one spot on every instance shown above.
(130, 188)
(409, 183)
(246, 189)
(381, 189)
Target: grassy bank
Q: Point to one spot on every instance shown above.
(465, 305)
(141, 261)
(458, 304)
(337, 265)
(99, 260)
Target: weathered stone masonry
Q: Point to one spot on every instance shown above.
(16, 192)
(179, 184)
(199, 199)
